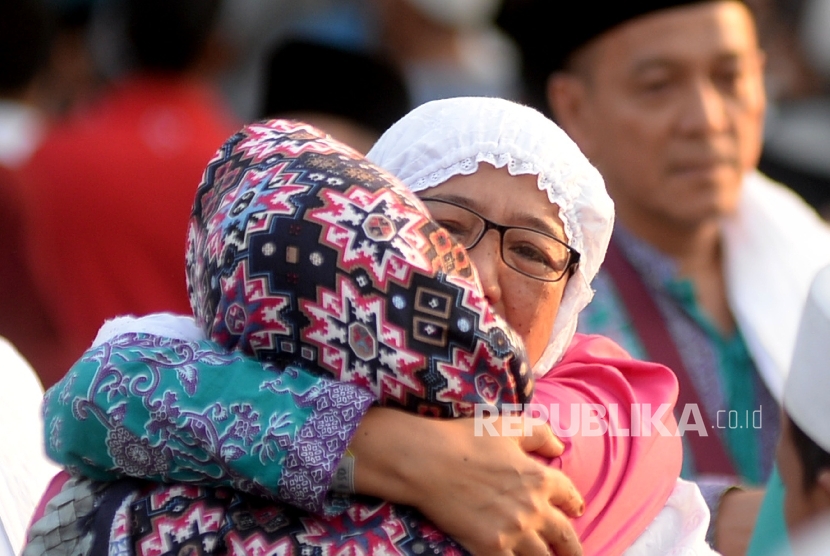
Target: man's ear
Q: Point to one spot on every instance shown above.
(567, 96)
(823, 483)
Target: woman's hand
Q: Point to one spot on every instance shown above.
(484, 491)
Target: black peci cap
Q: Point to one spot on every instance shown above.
(306, 75)
(548, 33)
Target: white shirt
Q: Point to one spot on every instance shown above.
(774, 246)
(680, 527)
(25, 471)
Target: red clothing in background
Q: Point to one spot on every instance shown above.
(24, 320)
(108, 196)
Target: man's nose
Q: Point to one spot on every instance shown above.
(706, 108)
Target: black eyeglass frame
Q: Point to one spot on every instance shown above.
(573, 254)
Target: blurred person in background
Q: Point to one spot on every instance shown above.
(249, 29)
(26, 34)
(796, 510)
(710, 260)
(797, 128)
(375, 95)
(26, 39)
(73, 75)
(112, 183)
(443, 48)
(449, 48)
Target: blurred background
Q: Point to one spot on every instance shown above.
(110, 109)
(440, 48)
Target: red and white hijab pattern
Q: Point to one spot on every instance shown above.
(300, 252)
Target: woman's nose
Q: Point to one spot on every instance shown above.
(487, 260)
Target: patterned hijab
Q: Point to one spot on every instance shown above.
(445, 138)
(300, 252)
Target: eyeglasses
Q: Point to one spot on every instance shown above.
(530, 252)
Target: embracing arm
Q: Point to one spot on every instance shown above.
(165, 409)
(183, 411)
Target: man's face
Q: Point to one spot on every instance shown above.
(671, 111)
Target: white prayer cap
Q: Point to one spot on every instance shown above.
(807, 391)
(444, 138)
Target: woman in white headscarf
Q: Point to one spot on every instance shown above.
(485, 165)
(441, 140)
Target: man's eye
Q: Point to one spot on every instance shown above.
(727, 79)
(655, 81)
(655, 86)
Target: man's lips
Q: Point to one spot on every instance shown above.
(702, 165)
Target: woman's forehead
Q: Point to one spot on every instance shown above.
(504, 198)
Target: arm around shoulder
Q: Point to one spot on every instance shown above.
(182, 411)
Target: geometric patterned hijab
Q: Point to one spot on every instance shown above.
(300, 252)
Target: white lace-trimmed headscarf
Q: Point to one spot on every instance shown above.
(445, 138)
